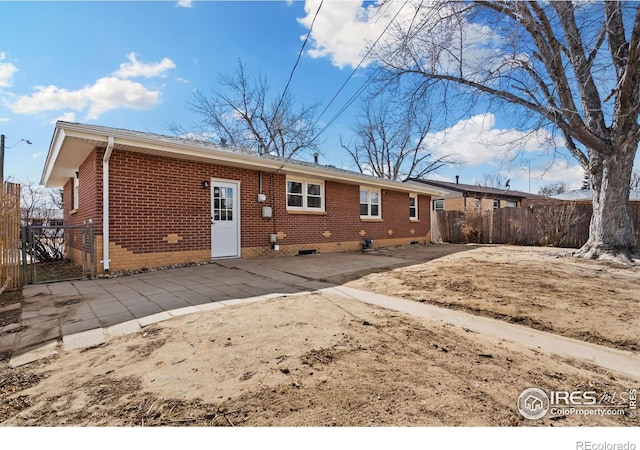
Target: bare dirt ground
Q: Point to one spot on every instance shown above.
(540, 287)
(325, 360)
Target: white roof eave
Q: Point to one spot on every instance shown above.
(206, 151)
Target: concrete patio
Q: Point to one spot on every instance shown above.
(81, 313)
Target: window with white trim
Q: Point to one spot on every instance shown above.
(438, 205)
(305, 195)
(496, 204)
(413, 206)
(370, 204)
(76, 191)
(511, 204)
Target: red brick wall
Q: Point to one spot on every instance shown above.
(89, 196)
(153, 197)
(342, 217)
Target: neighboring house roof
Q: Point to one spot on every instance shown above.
(73, 142)
(587, 195)
(471, 189)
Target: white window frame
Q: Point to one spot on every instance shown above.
(512, 204)
(415, 207)
(369, 191)
(436, 203)
(305, 195)
(76, 192)
(496, 204)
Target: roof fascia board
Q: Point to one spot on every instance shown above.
(291, 167)
(52, 155)
(256, 162)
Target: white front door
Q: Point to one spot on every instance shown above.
(225, 219)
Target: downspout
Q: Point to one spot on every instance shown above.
(105, 204)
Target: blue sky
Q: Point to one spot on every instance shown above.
(136, 64)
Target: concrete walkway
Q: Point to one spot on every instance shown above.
(79, 313)
(86, 313)
(620, 361)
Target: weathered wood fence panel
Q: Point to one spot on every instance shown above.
(562, 225)
(10, 276)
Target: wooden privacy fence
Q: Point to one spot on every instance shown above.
(559, 225)
(10, 236)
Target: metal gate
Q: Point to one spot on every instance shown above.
(57, 252)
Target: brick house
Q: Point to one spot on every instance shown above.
(462, 197)
(158, 200)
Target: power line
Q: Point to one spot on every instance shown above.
(362, 87)
(286, 88)
(284, 92)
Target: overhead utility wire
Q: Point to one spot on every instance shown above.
(306, 39)
(354, 70)
(361, 89)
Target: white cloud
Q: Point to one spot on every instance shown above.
(110, 93)
(4, 119)
(37, 155)
(107, 93)
(66, 117)
(135, 68)
(185, 4)
(7, 70)
(561, 170)
(104, 95)
(343, 29)
(475, 141)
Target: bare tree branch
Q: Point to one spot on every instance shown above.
(241, 113)
(547, 58)
(391, 138)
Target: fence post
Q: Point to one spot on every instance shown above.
(23, 251)
(92, 254)
(84, 249)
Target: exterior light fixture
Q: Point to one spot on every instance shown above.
(205, 184)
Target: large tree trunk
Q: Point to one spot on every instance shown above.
(611, 234)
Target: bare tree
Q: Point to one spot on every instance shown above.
(494, 180)
(575, 66)
(39, 205)
(241, 113)
(390, 141)
(41, 214)
(551, 189)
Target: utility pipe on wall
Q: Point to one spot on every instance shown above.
(105, 204)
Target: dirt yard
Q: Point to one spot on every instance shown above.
(325, 360)
(540, 287)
